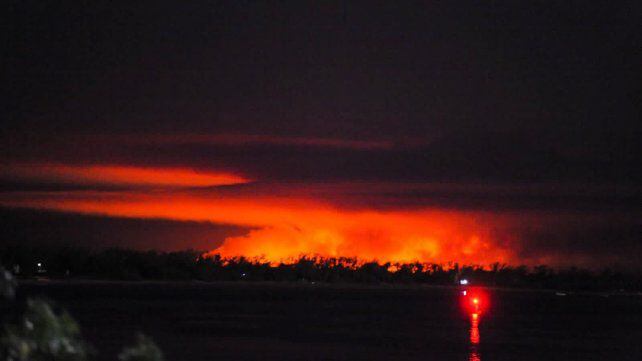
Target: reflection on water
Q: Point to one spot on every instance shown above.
(474, 338)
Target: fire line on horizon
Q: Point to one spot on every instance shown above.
(284, 229)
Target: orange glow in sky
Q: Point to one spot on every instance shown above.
(121, 175)
(283, 229)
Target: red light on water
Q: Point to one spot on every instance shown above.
(474, 301)
(474, 329)
(474, 338)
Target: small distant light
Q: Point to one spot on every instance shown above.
(475, 300)
(242, 274)
(463, 282)
(464, 292)
(39, 264)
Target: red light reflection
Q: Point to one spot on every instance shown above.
(474, 329)
(474, 354)
(474, 302)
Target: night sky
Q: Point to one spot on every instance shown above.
(398, 131)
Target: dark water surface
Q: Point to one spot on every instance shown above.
(242, 321)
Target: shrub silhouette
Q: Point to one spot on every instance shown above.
(42, 334)
(144, 350)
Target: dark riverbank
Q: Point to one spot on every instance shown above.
(131, 265)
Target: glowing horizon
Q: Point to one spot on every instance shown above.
(284, 229)
(285, 221)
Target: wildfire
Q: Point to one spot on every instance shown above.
(285, 229)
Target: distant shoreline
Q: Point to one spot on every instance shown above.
(318, 285)
(117, 265)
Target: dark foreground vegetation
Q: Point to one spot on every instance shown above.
(38, 330)
(123, 264)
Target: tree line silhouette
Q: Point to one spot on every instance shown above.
(126, 264)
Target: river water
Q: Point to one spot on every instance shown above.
(263, 321)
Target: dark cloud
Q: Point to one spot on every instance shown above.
(7, 186)
(489, 156)
(43, 228)
(325, 70)
(617, 239)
